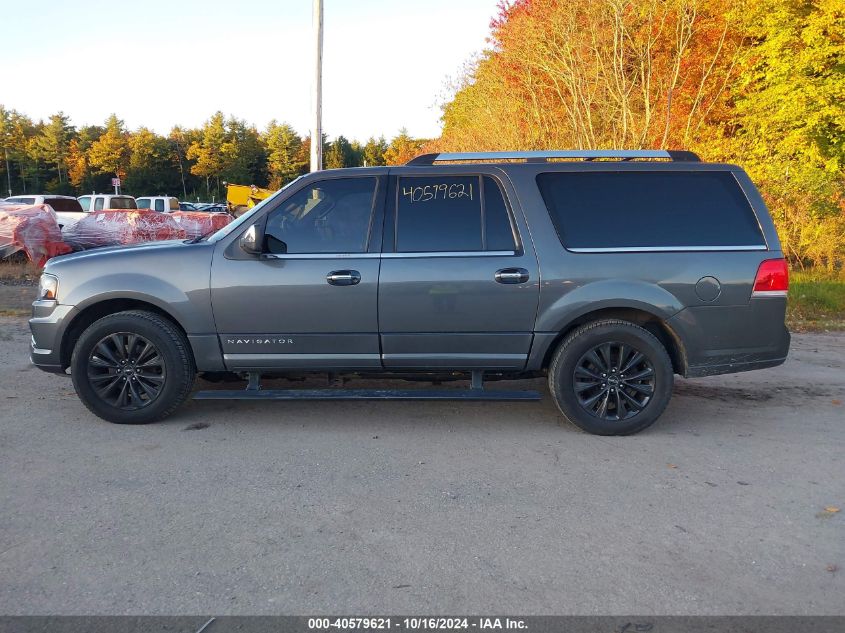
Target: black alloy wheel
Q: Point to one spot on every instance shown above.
(613, 381)
(611, 377)
(126, 371)
(132, 367)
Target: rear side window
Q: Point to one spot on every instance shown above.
(123, 202)
(64, 204)
(451, 214)
(610, 210)
(159, 204)
(174, 204)
(98, 204)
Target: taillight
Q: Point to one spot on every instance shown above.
(772, 279)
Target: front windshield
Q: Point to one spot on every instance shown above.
(219, 235)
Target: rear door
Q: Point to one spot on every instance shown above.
(459, 281)
(310, 301)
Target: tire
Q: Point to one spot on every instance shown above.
(621, 405)
(132, 367)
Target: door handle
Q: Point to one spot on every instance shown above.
(344, 277)
(511, 276)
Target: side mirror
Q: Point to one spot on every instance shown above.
(252, 241)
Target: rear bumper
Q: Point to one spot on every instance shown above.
(47, 325)
(744, 361)
(730, 339)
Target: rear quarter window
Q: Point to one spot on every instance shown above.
(122, 203)
(631, 210)
(64, 204)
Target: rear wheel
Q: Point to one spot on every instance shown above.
(132, 367)
(611, 378)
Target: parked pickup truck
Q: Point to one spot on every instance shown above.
(107, 202)
(606, 272)
(67, 208)
(158, 203)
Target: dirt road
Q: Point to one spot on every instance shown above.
(409, 507)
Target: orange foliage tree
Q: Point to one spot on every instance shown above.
(757, 82)
(595, 74)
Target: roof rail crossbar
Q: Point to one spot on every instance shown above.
(545, 156)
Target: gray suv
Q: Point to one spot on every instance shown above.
(606, 271)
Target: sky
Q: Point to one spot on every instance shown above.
(158, 63)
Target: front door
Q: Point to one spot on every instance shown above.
(459, 279)
(310, 301)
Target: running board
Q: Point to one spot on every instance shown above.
(254, 391)
(366, 394)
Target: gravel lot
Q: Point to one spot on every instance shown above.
(392, 507)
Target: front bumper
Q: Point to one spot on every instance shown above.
(47, 325)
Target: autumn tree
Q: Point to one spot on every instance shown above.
(789, 125)
(109, 154)
(402, 149)
(594, 74)
(759, 82)
(80, 173)
(207, 151)
(17, 131)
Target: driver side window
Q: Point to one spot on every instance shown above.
(330, 216)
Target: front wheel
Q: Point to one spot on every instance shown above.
(132, 367)
(611, 378)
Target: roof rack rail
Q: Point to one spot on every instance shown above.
(546, 156)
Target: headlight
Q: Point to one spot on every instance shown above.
(48, 288)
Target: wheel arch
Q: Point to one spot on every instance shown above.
(97, 310)
(646, 319)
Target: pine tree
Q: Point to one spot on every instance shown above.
(374, 150)
(53, 143)
(283, 154)
(339, 154)
(150, 166)
(245, 155)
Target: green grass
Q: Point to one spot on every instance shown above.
(816, 300)
(18, 269)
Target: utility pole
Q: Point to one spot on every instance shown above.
(317, 129)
